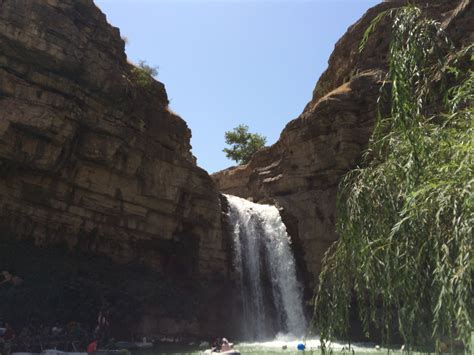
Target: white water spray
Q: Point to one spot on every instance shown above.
(263, 256)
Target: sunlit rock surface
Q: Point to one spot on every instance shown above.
(302, 170)
(89, 156)
(92, 159)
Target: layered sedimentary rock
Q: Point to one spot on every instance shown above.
(101, 202)
(302, 170)
(90, 154)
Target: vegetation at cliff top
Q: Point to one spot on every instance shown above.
(243, 144)
(144, 73)
(406, 216)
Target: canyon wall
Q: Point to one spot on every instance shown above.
(90, 154)
(91, 158)
(302, 170)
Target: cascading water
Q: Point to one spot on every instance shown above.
(271, 295)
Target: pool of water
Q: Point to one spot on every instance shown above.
(278, 346)
(288, 345)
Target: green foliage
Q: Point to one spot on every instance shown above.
(243, 144)
(144, 73)
(150, 70)
(406, 216)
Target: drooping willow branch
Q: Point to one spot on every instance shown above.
(406, 215)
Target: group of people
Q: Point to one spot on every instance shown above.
(72, 336)
(35, 337)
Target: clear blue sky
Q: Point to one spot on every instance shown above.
(234, 61)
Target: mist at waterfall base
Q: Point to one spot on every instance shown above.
(271, 296)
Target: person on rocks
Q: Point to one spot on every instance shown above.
(92, 346)
(57, 330)
(226, 346)
(102, 329)
(25, 339)
(8, 338)
(6, 278)
(111, 344)
(102, 320)
(9, 278)
(76, 334)
(216, 345)
(9, 334)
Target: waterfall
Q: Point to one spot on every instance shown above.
(271, 295)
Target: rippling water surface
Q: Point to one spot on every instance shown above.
(282, 345)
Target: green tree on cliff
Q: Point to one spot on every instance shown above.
(243, 144)
(406, 216)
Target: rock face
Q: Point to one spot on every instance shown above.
(94, 163)
(302, 170)
(90, 154)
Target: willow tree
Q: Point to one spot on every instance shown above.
(405, 216)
